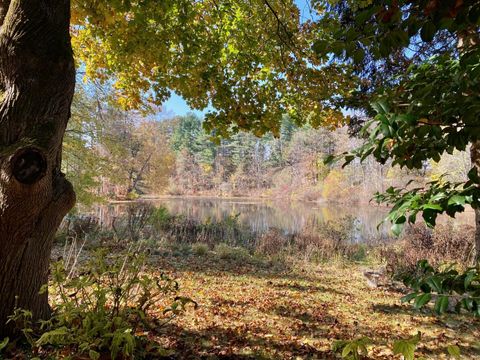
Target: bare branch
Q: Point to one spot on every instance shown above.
(280, 23)
(284, 34)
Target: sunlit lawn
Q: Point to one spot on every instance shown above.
(250, 311)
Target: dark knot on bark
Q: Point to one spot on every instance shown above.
(29, 165)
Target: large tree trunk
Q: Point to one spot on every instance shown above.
(37, 79)
(475, 157)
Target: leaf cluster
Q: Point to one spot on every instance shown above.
(445, 288)
(352, 349)
(357, 348)
(409, 142)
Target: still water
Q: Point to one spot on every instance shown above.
(261, 216)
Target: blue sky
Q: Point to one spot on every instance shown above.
(176, 105)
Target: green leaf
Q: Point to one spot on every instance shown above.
(53, 337)
(409, 297)
(319, 47)
(441, 305)
(454, 351)
(473, 175)
(435, 283)
(4, 343)
(405, 348)
(422, 300)
(93, 355)
(397, 229)
(329, 160)
(433, 207)
(358, 56)
(381, 107)
(430, 216)
(347, 350)
(348, 160)
(456, 200)
(338, 345)
(468, 279)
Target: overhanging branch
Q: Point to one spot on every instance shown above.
(280, 26)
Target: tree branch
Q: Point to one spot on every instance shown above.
(287, 39)
(280, 23)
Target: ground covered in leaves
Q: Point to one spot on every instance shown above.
(255, 310)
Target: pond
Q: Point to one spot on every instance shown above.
(259, 216)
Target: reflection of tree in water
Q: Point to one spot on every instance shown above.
(260, 216)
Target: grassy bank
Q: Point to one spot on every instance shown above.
(252, 311)
(248, 307)
(126, 293)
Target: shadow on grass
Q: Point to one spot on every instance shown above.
(212, 265)
(307, 288)
(397, 310)
(237, 343)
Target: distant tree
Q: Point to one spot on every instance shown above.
(278, 145)
(82, 163)
(186, 132)
(155, 161)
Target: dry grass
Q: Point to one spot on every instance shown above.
(445, 244)
(251, 312)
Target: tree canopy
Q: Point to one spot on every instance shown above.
(249, 61)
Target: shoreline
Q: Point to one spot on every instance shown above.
(256, 199)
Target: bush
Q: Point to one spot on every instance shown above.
(271, 243)
(103, 308)
(444, 244)
(133, 225)
(227, 252)
(200, 249)
(159, 218)
(184, 230)
(330, 241)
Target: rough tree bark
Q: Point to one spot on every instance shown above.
(37, 80)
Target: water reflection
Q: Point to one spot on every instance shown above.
(260, 216)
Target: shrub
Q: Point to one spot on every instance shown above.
(332, 240)
(200, 249)
(184, 230)
(132, 225)
(104, 308)
(159, 218)
(444, 244)
(227, 252)
(178, 249)
(271, 243)
(327, 242)
(80, 226)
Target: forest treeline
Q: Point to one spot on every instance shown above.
(115, 154)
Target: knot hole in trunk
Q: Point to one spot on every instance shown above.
(29, 165)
